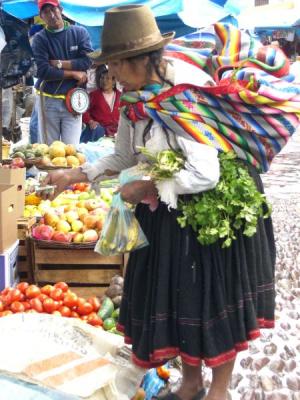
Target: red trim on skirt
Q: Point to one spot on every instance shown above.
(161, 356)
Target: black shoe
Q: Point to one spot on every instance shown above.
(173, 396)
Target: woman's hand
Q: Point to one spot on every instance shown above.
(62, 179)
(134, 192)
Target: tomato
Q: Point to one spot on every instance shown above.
(14, 295)
(94, 320)
(47, 289)
(80, 301)
(85, 308)
(22, 297)
(56, 294)
(94, 301)
(84, 318)
(74, 314)
(70, 299)
(62, 285)
(56, 312)
(6, 290)
(17, 307)
(81, 186)
(42, 297)
(32, 291)
(31, 311)
(1, 306)
(36, 305)
(49, 305)
(26, 305)
(22, 286)
(6, 312)
(65, 311)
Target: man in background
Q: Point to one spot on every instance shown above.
(60, 52)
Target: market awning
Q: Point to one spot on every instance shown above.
(281, 15)
(89, 12)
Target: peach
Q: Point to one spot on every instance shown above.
(90, 236)
(90, 221)
(62, 237)
(51, 218)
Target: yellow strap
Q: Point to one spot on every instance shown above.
(53, 96)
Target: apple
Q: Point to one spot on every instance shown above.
(62, 237)
(71, 216)
(91, 204)
(18, 162)
(78, 237)
(90, 236)
(76, 225)
(63, 226)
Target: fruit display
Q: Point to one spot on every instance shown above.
(72, 217)
(55, 299)
(57, 154)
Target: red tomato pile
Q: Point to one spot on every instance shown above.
(55, 299)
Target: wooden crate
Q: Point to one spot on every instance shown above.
(24, 261)
(86, 272)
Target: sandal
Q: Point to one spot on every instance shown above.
(173, 396)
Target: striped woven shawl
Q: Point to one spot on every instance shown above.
(253, 109)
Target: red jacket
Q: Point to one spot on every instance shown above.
(100, 111)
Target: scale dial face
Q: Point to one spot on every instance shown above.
(79, 101)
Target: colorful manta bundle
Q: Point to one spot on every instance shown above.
(253, 109)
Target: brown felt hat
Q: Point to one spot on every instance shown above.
(129, 31)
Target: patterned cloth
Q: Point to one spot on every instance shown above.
(253, 109)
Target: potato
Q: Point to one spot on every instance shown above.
(113, 291)
(117, 300)
(118, 280)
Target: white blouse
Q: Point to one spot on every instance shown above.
(201, 170)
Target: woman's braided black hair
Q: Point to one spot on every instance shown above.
(156, 65)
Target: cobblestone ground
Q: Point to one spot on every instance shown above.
(270, 369)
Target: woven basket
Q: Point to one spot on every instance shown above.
(30, 162)
(50, 167)
(51, 244)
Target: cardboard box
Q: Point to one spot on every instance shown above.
(15, 176)
(8, 267)
(8, 216)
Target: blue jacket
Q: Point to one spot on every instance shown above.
(73, 43)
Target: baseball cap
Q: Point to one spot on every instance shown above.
(42, 3)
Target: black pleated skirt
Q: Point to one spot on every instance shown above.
(203, 303)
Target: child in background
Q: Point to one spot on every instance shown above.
(102, 117)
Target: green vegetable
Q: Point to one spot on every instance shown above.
(116, 314)
(115, 331)
(163, 164)
(235, 203)
(106, 309)
(109, 323)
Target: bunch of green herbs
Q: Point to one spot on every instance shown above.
(164, 164)
(235, 203)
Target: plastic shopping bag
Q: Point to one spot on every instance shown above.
(121, 232)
